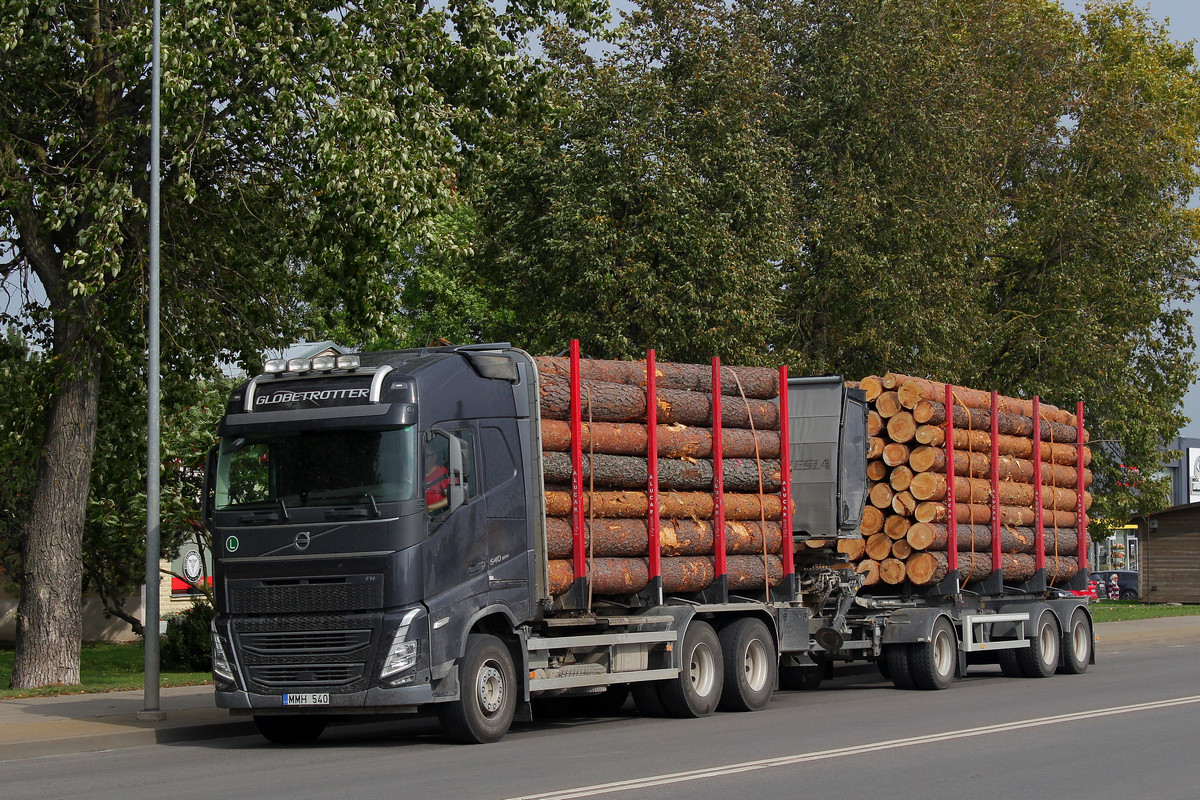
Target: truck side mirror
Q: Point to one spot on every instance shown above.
(207, 504)
(458, 494)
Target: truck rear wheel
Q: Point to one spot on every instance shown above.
(1040, 659)
(931, 664)
(750, 665)
(696, 691)
(290, 729)
(896, 657)
(487, 693)
(1076, 644)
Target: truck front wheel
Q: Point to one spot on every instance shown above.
(488, 693)
(750, 665)
(696, 691)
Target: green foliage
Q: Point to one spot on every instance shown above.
(647, 208)
(22, 374)
(187, 644)
(103, 667)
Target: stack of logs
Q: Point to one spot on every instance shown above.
(615, 475)
(905, 535)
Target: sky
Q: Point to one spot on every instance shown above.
(1184, 25)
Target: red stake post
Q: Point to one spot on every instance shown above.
(718, 456)
(1039, 523)
(996, 554)
(1080, 518)
(654, 565)
(785, 470)
(579, 551)
(951, 505)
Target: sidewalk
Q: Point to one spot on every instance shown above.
(44, 726)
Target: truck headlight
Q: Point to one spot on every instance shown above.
(222, 670)
(403, 654)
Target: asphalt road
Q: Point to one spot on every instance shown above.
(1128, 728)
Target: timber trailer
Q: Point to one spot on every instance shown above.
(339, 593)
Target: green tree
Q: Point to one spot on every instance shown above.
(995, 194)
(304, 144)
(648, 207)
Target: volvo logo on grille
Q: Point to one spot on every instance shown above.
(302, 540)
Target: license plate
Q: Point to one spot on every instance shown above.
(307, 699)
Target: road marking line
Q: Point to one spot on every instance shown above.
(820, 755)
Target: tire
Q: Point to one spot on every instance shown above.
(1040, 659)
(931, 664)
(487, 693)
(1129, 594)
(1077, 643)
(896, 656)
(696, 691)
(1009, 667)
(647, 699)
(290, 729)
(881, 664)
(751, 664)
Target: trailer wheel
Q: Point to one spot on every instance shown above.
(696, 691)
(488, 693)
(896, 656)
(1076, 644)
(290, 729)
(750, 665)
(931, 664)
(1040, 659)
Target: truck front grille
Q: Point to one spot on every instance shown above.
(306, 675)
(304, 598)
(334, 652)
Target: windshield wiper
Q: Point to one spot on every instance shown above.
(374, 508)
(284, 511)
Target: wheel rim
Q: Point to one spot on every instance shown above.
(1048, 643)
(702, 670)
(943, 654)
(491, 688)
(756, 665)
(1081, 642)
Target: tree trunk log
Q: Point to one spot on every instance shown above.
(1018, 516)
(853, 549)
(930, 566)
(888, 405)
(981, 441)
(760, 383)
(872, 386)
(904, 504)
(874, 423)
(628, 538)
(680, 574)
(902, 427)
(876, 470)
(900, 478)
(672, 505)
(872, 520)
(933, 486)
(881, 496)
(674, 441)
(874, 446)
(49, 622)
(895, 454)
(615, 402)
(935, 536)
(869, 568)
(879, 547)
(632, 472)
(896, 526)
(979, 465)
(901, 549)
(911, 391)
(931, 412)
(891, 571)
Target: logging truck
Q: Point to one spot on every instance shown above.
(465, 530)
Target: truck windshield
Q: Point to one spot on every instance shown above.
(317, 468)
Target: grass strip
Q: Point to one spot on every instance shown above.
(103, 667)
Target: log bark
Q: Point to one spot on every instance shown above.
(981, 441)
(628, 538)
(672, 505)
(933, 486)
(632, 472)
(674, 441)
(1019, 516)
(912, 390)
(929, 567)
(979, 465)
(760, 383)
(935, 536)
(681, 574)
(891, 571)
(932, 412)
(615, 402)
